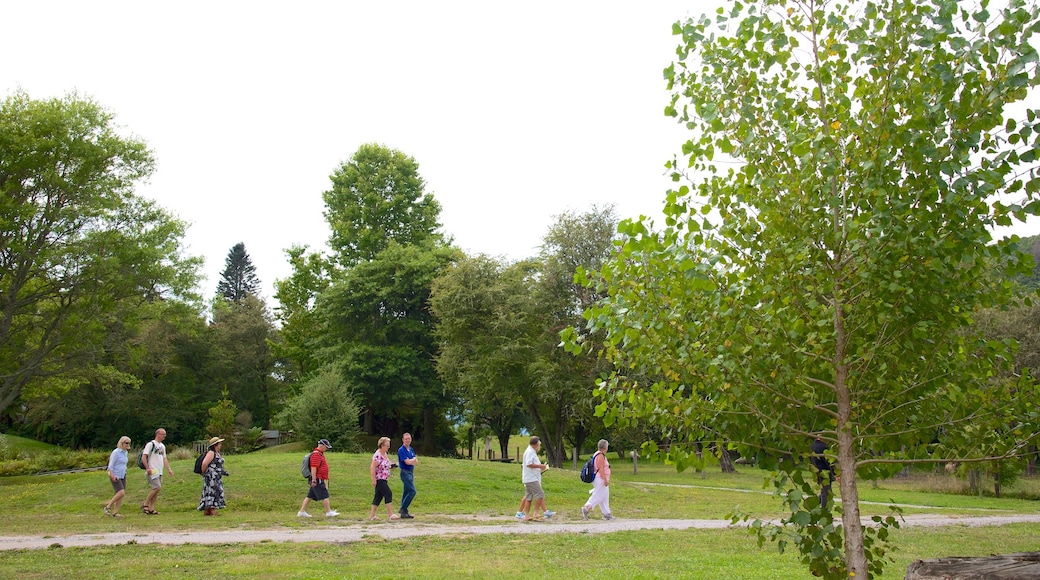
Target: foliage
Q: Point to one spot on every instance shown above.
(79, 245)
(378, 325)
(825, 281)
(378, 198)
(165, 349)
(51, 460)
(811, 527)
(326, 408)
(222, 418)
(488, 332)
(499, 329)
(243, 335)
(238, 279)
(300, 327)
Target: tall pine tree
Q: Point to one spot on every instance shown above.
(239, 277)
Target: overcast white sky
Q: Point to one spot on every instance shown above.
(515, 112)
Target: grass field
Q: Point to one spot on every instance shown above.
(264, 491)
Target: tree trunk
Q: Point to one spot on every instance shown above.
(855, 550)
(1031, 460)
(725, 462)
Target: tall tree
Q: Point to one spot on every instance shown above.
(378, 197)
(378, 328)
(298, 349)
(243, 333)
(238, 279)
(76, 243)
(824, 283)
(489, 335)
(559, 400)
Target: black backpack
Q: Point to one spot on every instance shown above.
(588, 471)
(140, 456)
(198, 462)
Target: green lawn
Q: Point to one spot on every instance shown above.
(264, 490)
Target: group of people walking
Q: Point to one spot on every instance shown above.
(379, 470)
(532, 505)
(154, 461)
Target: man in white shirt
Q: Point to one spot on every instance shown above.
(154, 459)
(532, 480)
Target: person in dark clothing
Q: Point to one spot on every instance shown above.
(824, 469)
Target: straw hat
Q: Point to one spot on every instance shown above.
(213, 441)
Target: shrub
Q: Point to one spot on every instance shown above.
(325, 408)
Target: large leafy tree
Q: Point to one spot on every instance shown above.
(825, 279)
(300, 329)
(243, 334)
(238, 279)
(378, 327)
(489, 335)
(559, 399)
(76, 244)
(362, 309)
(378, 197)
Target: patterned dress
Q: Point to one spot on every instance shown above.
(213, 485)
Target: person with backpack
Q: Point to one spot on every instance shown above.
(212, 469)
(319, 480)
(600, 494)
(153, 460)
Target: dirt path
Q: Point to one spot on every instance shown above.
(397, 530)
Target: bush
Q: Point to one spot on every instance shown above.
(325, 408)
(56, 460)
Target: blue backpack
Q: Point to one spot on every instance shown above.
(588, 471)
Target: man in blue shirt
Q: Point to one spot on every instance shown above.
(407, 460)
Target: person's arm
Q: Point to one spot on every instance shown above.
(112, 465)
(207, 460)
(372, 470)
(600, 466)
(166, 462)
(314, 470)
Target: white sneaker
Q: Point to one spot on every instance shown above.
(584, 512)
(519, 515)
(549, 513)
(303, 515)
(331, 513)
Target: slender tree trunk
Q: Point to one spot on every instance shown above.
(855, 550)
(1031, 460)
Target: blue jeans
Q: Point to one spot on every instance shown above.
(408, 479)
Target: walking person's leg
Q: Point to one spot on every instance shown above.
(408, 479)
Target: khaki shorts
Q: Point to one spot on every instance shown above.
(155, 482)
(533, 491)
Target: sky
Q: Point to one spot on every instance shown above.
(515, 112)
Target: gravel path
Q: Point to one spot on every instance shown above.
(397, 530)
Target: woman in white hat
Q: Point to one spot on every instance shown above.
(212, 479)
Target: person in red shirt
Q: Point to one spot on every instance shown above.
(319, 481)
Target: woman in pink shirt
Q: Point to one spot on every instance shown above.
(380, 470)
(601, 485)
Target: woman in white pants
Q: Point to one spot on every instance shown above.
(601, 485)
